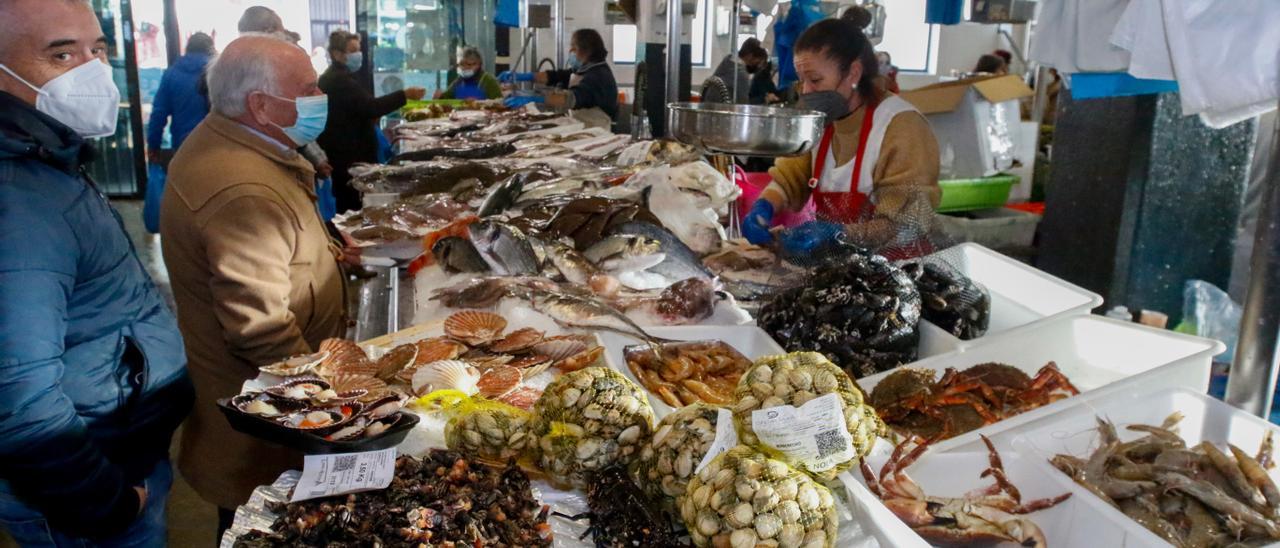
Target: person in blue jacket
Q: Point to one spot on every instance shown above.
(93, 377)
(179, 103)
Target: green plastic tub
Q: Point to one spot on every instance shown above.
(970, 194)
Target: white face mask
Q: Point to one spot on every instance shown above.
(84, 98)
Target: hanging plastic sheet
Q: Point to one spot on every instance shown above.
(151, 202)
(943, 12)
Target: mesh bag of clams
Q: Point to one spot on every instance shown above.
(948, 298)
(743, 499)
(861, 311)
(586, 420)
(485, 428)
(805, 403)
(678, 446)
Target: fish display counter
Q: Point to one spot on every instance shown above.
(587, 360)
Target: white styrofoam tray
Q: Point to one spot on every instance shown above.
(1098, 355)
(751, 341)
(1021, 296)
(1073, 432)
(953, 475)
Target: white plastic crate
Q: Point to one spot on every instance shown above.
(751, 341)
(953, 475)
(1072, 432)
(1021, 296)
(1099, 355)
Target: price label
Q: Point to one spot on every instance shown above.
(329, 475)
(814, 434)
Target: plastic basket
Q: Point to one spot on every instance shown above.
(970, 194)
(994, 228)
(1099, 355)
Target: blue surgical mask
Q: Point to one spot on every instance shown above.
(466, 73)
(355, 61)
(313, 113)
(573, 63)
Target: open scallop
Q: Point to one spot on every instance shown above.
(263, 405)
(299, 389)
(297, 365)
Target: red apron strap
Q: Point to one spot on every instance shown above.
(862, 144)
(823, 147)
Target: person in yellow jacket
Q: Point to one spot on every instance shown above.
(873, 176)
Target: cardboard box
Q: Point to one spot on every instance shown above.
(976, 123)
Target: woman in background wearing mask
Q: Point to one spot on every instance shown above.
(351, 135)
(874, 175)
(472, 81)
(592, 94)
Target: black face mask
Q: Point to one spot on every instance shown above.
(752, 69)
(831, 103)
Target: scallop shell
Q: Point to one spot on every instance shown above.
(438, 349)
(474, 327)
(580, 360)
(349, 431)
(560, 348)
(499, 381)
(395, 360)
(529, 360)
(323, 399)
(516, 341)
(380, 426)
(345, 381)
(382, 407)
(522, 397)
(249, 403)
(379, 393)
(315, 419)
(485, 363)
(446, 375)
(299, 389)
(296, 365)
(533, 371)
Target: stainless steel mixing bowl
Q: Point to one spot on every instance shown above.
(747, 130)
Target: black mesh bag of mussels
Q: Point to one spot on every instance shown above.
(858, 309)
(948, 299)
(861, 303)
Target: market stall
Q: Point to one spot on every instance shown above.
(589, 359)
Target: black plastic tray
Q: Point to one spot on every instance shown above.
(311, 444)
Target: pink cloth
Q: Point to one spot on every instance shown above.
(752, 184)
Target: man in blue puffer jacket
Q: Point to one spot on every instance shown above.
(92, 369)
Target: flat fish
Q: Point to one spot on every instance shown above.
(679, 263)
(504, 248)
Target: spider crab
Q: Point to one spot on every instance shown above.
(986, 515)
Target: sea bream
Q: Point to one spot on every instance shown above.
(626, 253)
(504, 248)
(678, 261)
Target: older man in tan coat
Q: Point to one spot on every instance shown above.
(254, 272)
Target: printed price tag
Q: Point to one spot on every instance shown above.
(813, 434)
(328, 475)
(726, 438)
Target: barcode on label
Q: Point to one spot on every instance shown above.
(830, 442)
(344, 463)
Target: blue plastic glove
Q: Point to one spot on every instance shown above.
(755, 226)
(516, 101)
(508, 76)
(803, 239)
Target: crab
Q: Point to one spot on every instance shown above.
(965, 400)
(986, 515)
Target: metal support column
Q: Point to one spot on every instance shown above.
(558, 23)
(1253, 373)
(674, 23)
(733, 45)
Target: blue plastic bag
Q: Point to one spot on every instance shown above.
(151, 202)
(326, 202)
